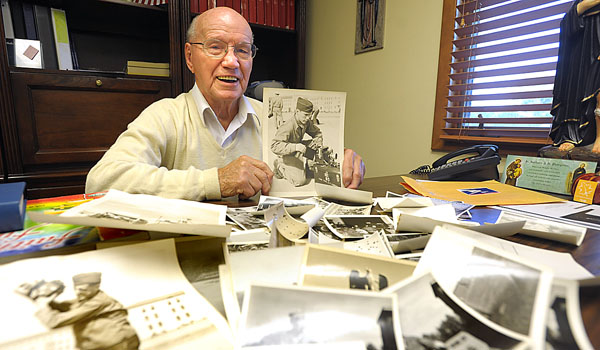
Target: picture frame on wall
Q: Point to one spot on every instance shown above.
(370, 20)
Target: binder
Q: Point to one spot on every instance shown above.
(237, 5)
(260, 11)
(195, 6)
(29, 20)
(291, 14)
(44, 25)
(252, 15)
(282, 14)
(9, 32)
(244, 9)
(61, 39)
(268, 12)
(212, 4)
(203, 5)
(275, 13)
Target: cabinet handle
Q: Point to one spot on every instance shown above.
(98, 82)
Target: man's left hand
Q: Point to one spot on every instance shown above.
(353, 169)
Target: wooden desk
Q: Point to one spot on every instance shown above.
(587, 254)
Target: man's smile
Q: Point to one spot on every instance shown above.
(227, 79)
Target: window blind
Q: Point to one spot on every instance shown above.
(500, 71)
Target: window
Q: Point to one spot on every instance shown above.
(496, 72)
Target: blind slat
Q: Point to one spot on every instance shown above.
(512, 20)
(508, 140)
(534, 120)
(463, 43)
(512, 108)
(502, 84)
(517, 57)
(470, 6)
(515, 45)
(542, 67)
(498, 11)
(504, 96)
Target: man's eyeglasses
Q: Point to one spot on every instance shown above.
(216, 48)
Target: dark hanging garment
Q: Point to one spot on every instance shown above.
(577, 80)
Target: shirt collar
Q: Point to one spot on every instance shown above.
(223, 137)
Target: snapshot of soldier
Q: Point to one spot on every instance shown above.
(301, 155)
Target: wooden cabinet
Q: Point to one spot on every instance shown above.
(55, 124)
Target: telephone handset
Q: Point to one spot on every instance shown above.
(479, 163)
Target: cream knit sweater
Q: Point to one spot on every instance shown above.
(169, 152)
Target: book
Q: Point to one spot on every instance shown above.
(282, 14)
(260, 11)
(148, 68)
(203, 5)
(7, 19)
(194, 6)
(12, 206)
(291, 14)
(274, 13)
(44, 25)
(252, 14)
(268, 12)
(61, 39)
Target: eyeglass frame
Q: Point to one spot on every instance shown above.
(253, 49)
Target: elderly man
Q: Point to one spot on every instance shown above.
(206, 143)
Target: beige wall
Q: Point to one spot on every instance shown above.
(390, 92)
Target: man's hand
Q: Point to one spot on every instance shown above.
(300, 148)
(353, 169)
(245, 176)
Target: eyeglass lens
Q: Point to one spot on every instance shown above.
(218, 48)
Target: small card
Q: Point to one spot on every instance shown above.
(584, 192)
(544, 174)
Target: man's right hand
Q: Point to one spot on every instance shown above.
(245, 176)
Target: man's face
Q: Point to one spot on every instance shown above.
(85, 291)
(221, 80)
(303, 117)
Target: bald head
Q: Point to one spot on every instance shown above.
(215, 16)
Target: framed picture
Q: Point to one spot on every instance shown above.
(370, 20)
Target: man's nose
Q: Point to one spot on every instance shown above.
(230, 58)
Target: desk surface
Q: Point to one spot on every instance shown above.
(587, 254)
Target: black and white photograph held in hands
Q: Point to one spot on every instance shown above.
(303, 143)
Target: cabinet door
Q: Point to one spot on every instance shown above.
(65, 120)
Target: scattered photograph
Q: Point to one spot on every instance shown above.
(358, 226)
(199, 259)
(292, 206)
(245, 218)
(234, 247)
(295, 315)
(137, 291)
(502, 290)
(338, 209)
(341, 268)
(558, 327)
(303, 140)
(431, 319)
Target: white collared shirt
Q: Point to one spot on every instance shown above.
(222, 136)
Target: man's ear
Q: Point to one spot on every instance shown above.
(188, 57)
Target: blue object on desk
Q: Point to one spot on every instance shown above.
(12, 206)
(485, 215)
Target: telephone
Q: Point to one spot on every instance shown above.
(477, 163)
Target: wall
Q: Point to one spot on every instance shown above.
(390, 92)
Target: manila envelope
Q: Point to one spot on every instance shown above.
(479, 192)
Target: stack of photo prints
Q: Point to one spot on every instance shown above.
(394, 272)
